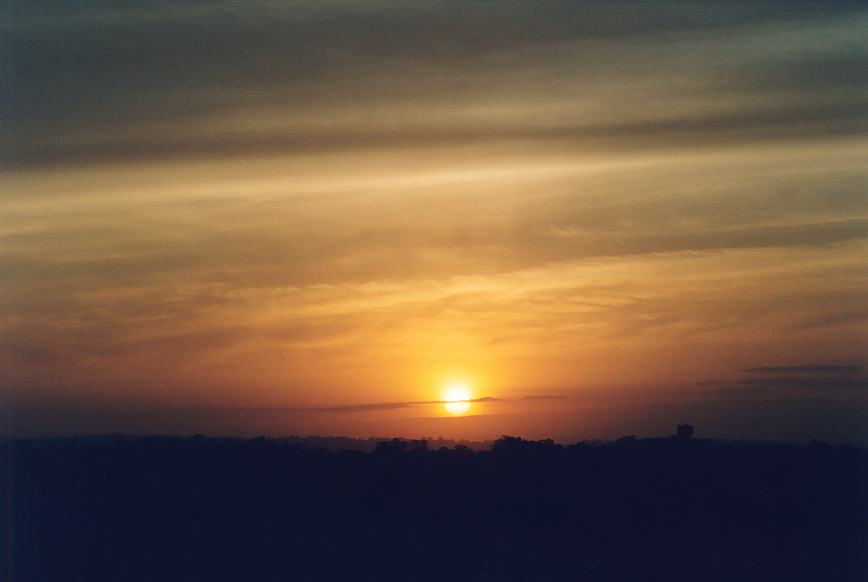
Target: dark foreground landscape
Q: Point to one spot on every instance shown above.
(167, 509)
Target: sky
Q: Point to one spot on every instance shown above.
(601, 218)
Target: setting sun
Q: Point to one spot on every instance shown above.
(456, 399)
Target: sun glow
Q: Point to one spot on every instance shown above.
(456, 399)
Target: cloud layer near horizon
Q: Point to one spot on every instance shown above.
(326, 205)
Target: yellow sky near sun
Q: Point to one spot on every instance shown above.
(286, 284)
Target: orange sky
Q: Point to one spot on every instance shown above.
(617, 207)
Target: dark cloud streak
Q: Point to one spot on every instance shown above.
(770, 125)
(810, 369)
(391, 405)
(814, 380)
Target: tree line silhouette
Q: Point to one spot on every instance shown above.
(165, 509)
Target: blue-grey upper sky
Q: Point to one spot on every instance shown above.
(107, 81)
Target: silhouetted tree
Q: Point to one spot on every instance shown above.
(684, 431)
(174, 509)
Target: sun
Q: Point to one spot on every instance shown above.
(456, 399)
